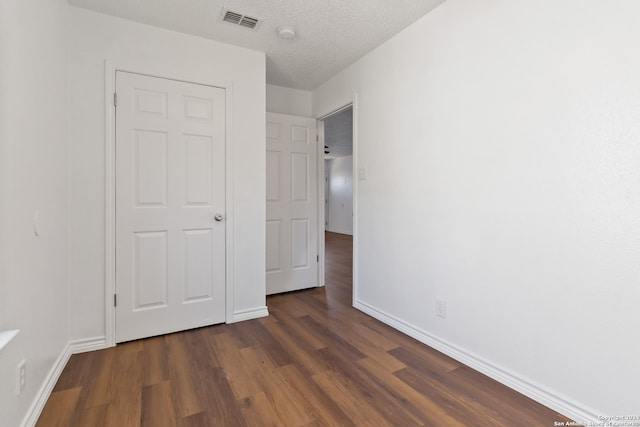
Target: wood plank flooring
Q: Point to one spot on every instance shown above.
(315, 361)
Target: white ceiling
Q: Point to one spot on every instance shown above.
(331, 34)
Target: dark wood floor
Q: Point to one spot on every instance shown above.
(315, 361)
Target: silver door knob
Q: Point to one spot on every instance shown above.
(218, 217)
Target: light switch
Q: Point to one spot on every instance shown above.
(362, 175)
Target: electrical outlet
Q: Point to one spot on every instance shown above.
(441, 308)
(21, 377)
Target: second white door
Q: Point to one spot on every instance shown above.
(170, 206)
(292, 203)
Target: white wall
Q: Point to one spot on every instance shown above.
(94, 38)
(285, 100)
(340, 218)
(33, 177)
(501, 146)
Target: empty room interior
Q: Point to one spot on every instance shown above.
(292, 213)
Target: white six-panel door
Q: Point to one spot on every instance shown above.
(292, 203)
(170, 185)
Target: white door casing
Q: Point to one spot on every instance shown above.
(170, 184)
(326, 196)
(292, 203)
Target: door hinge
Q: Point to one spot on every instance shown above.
(317, 258)
(115, 99)
(115, 300)
(317, 138)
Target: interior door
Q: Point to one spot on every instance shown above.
(170, 206)
(292, 203)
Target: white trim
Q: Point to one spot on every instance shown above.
(251, 313)
(109, 206)
(356, 207)
(550, 398)
(335, 111)
(32, 415)
(40, 400)
(87, 344)
(321, 200)
(229, 206)
(110, 285)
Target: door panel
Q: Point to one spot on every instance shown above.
(273, 176)
(150, 270)
(300, 178)
(292, 203)
(170, 182)
(198, 265)
(150, 168)
(274, 246)
(198, 154)
(300, 244)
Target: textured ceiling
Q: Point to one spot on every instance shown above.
(331, 34)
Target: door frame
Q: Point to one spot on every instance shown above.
(352, 102)
(110, 69)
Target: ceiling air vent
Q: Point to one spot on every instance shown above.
(236, 18)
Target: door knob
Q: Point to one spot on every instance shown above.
(218, 217)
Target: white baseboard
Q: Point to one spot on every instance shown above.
(43, 394)
(73, 347)
(88, 344)
(252, 313)
(537, 392)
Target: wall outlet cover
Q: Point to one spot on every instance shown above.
(21, 377)
(441, 308)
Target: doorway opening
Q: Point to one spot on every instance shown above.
(337, 135)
